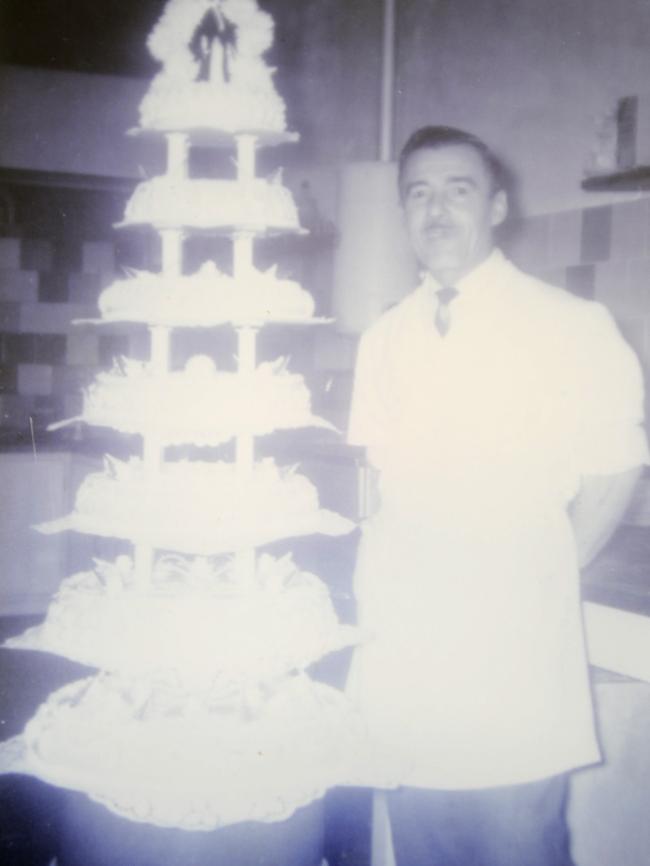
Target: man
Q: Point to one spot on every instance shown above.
(503, 416)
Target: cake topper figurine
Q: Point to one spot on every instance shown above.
(213, 46)
(213, 73)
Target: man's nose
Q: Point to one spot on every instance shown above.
(435, 204)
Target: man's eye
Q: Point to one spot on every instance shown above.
(417, 193)
(458, 191)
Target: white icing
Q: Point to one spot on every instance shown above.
(199, 405)
(167, 202)
(249, 103)
(198, 507)
(207, 297)
(196, 622)
(231, 757)
(202, 715)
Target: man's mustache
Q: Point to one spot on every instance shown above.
(439, 225)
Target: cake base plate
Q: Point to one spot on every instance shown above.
(93, 836)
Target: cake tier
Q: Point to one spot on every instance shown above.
(152, 753)
(255, 205)
(175, 105)
(205, 298)
(198, 405)
(213, 73)
(196, 621)
(198, 507)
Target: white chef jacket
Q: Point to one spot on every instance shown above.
(474, 673)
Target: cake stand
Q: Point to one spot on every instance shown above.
(91, 835)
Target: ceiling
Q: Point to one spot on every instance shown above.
(102, 37)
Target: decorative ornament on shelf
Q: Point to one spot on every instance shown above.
(619, 160)
(602, 155)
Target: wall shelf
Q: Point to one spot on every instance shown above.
(626, 180)
(66, 180)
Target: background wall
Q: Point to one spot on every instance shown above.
(69, 122)
(531, 77)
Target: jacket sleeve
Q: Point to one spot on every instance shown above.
(611, 434)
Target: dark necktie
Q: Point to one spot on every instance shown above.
(443, 315)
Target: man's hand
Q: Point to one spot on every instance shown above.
(598, 509)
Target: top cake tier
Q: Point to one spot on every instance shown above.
(213, 73)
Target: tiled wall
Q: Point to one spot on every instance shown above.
(44, 359)
(599, 252)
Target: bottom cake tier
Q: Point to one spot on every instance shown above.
(174, 761)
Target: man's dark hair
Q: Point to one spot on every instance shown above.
(441, 136)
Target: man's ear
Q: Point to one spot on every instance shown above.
(499, 208)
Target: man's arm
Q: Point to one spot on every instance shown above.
(598, 508)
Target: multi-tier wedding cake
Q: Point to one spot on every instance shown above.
(201, 713)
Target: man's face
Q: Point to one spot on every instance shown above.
(450, 209)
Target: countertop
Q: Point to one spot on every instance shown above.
(620, 575)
